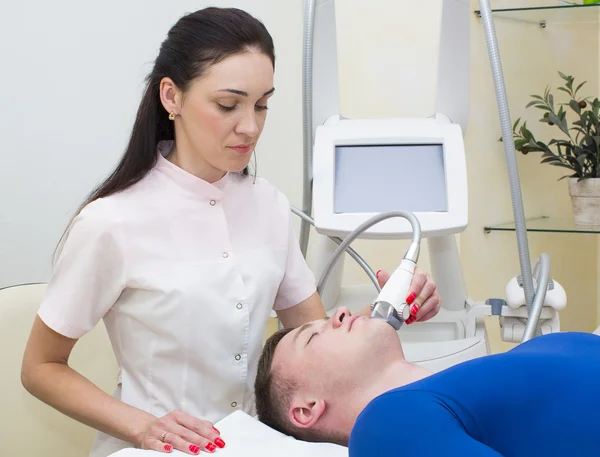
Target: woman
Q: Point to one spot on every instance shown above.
(181, 253)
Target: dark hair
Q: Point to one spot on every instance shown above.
(197, 41)
(274, 391)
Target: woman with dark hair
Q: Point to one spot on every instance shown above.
(181, 253)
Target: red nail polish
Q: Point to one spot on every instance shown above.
(216, 430)
(219, 442)
(377, 274)
(411, 298)
(194, 448)
(168, 447)
(410, 320)
(414, 309)
(211, 447)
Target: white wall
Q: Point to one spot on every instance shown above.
(71, 81)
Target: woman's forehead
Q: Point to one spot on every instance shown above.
(248, 72)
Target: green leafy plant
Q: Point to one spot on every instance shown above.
(579, 149)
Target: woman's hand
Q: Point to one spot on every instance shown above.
(422, 295)
(178, 430)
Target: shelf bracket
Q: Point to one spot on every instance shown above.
(542, 23)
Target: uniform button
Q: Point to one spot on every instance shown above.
(239, 306)
(233, 404)
(225, 255)
(238, 357)
(213, 203)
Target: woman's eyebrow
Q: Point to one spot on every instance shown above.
(245, 94)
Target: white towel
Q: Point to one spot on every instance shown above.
(248, 437)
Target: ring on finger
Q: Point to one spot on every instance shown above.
(162, 437)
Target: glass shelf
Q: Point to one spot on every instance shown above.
(544, 15)
(546, 224)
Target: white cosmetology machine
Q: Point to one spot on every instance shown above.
(367, 177)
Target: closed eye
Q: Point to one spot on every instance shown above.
(226, 108)
(311, 337)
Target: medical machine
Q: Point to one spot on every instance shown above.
(366, 167)
(366, 178)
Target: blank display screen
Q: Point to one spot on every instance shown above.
(378, 178)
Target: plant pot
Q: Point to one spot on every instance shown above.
(585, 196)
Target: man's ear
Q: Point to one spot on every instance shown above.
(305, 414)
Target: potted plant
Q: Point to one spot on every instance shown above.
(578, 149)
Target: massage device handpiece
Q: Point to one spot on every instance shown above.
(383, 310)
(391, 304)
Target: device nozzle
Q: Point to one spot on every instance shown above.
(412, 252)
(384, 310)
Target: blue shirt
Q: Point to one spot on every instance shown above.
(541, 398)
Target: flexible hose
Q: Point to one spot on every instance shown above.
(307, 120)
(509, 151)
(538, 301)
(416, 240)
(363, 264)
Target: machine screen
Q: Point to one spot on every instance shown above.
(378, 178)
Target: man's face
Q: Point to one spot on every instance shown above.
(335, 355)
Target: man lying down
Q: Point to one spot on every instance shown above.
(345, 380)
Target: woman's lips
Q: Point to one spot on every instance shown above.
(242, 148)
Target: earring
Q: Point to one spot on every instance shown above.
(172, 116)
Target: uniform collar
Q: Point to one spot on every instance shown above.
(188, 181)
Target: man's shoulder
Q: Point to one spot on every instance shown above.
(388, 408)
(388, 403)
(575, 343)
(390, 417)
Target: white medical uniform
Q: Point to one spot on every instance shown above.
(184, 274)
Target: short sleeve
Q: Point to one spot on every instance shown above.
(89, 274)
(298, 281)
